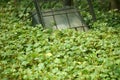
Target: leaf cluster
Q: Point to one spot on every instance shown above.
(31, 53)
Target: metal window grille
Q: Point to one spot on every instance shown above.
(56, 16)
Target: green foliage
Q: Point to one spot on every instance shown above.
(110, 18)
(31, 53)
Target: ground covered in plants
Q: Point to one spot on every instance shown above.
(32, 53)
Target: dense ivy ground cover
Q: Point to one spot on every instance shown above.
(31, 53)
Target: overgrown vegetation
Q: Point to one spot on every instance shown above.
(31, 53)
